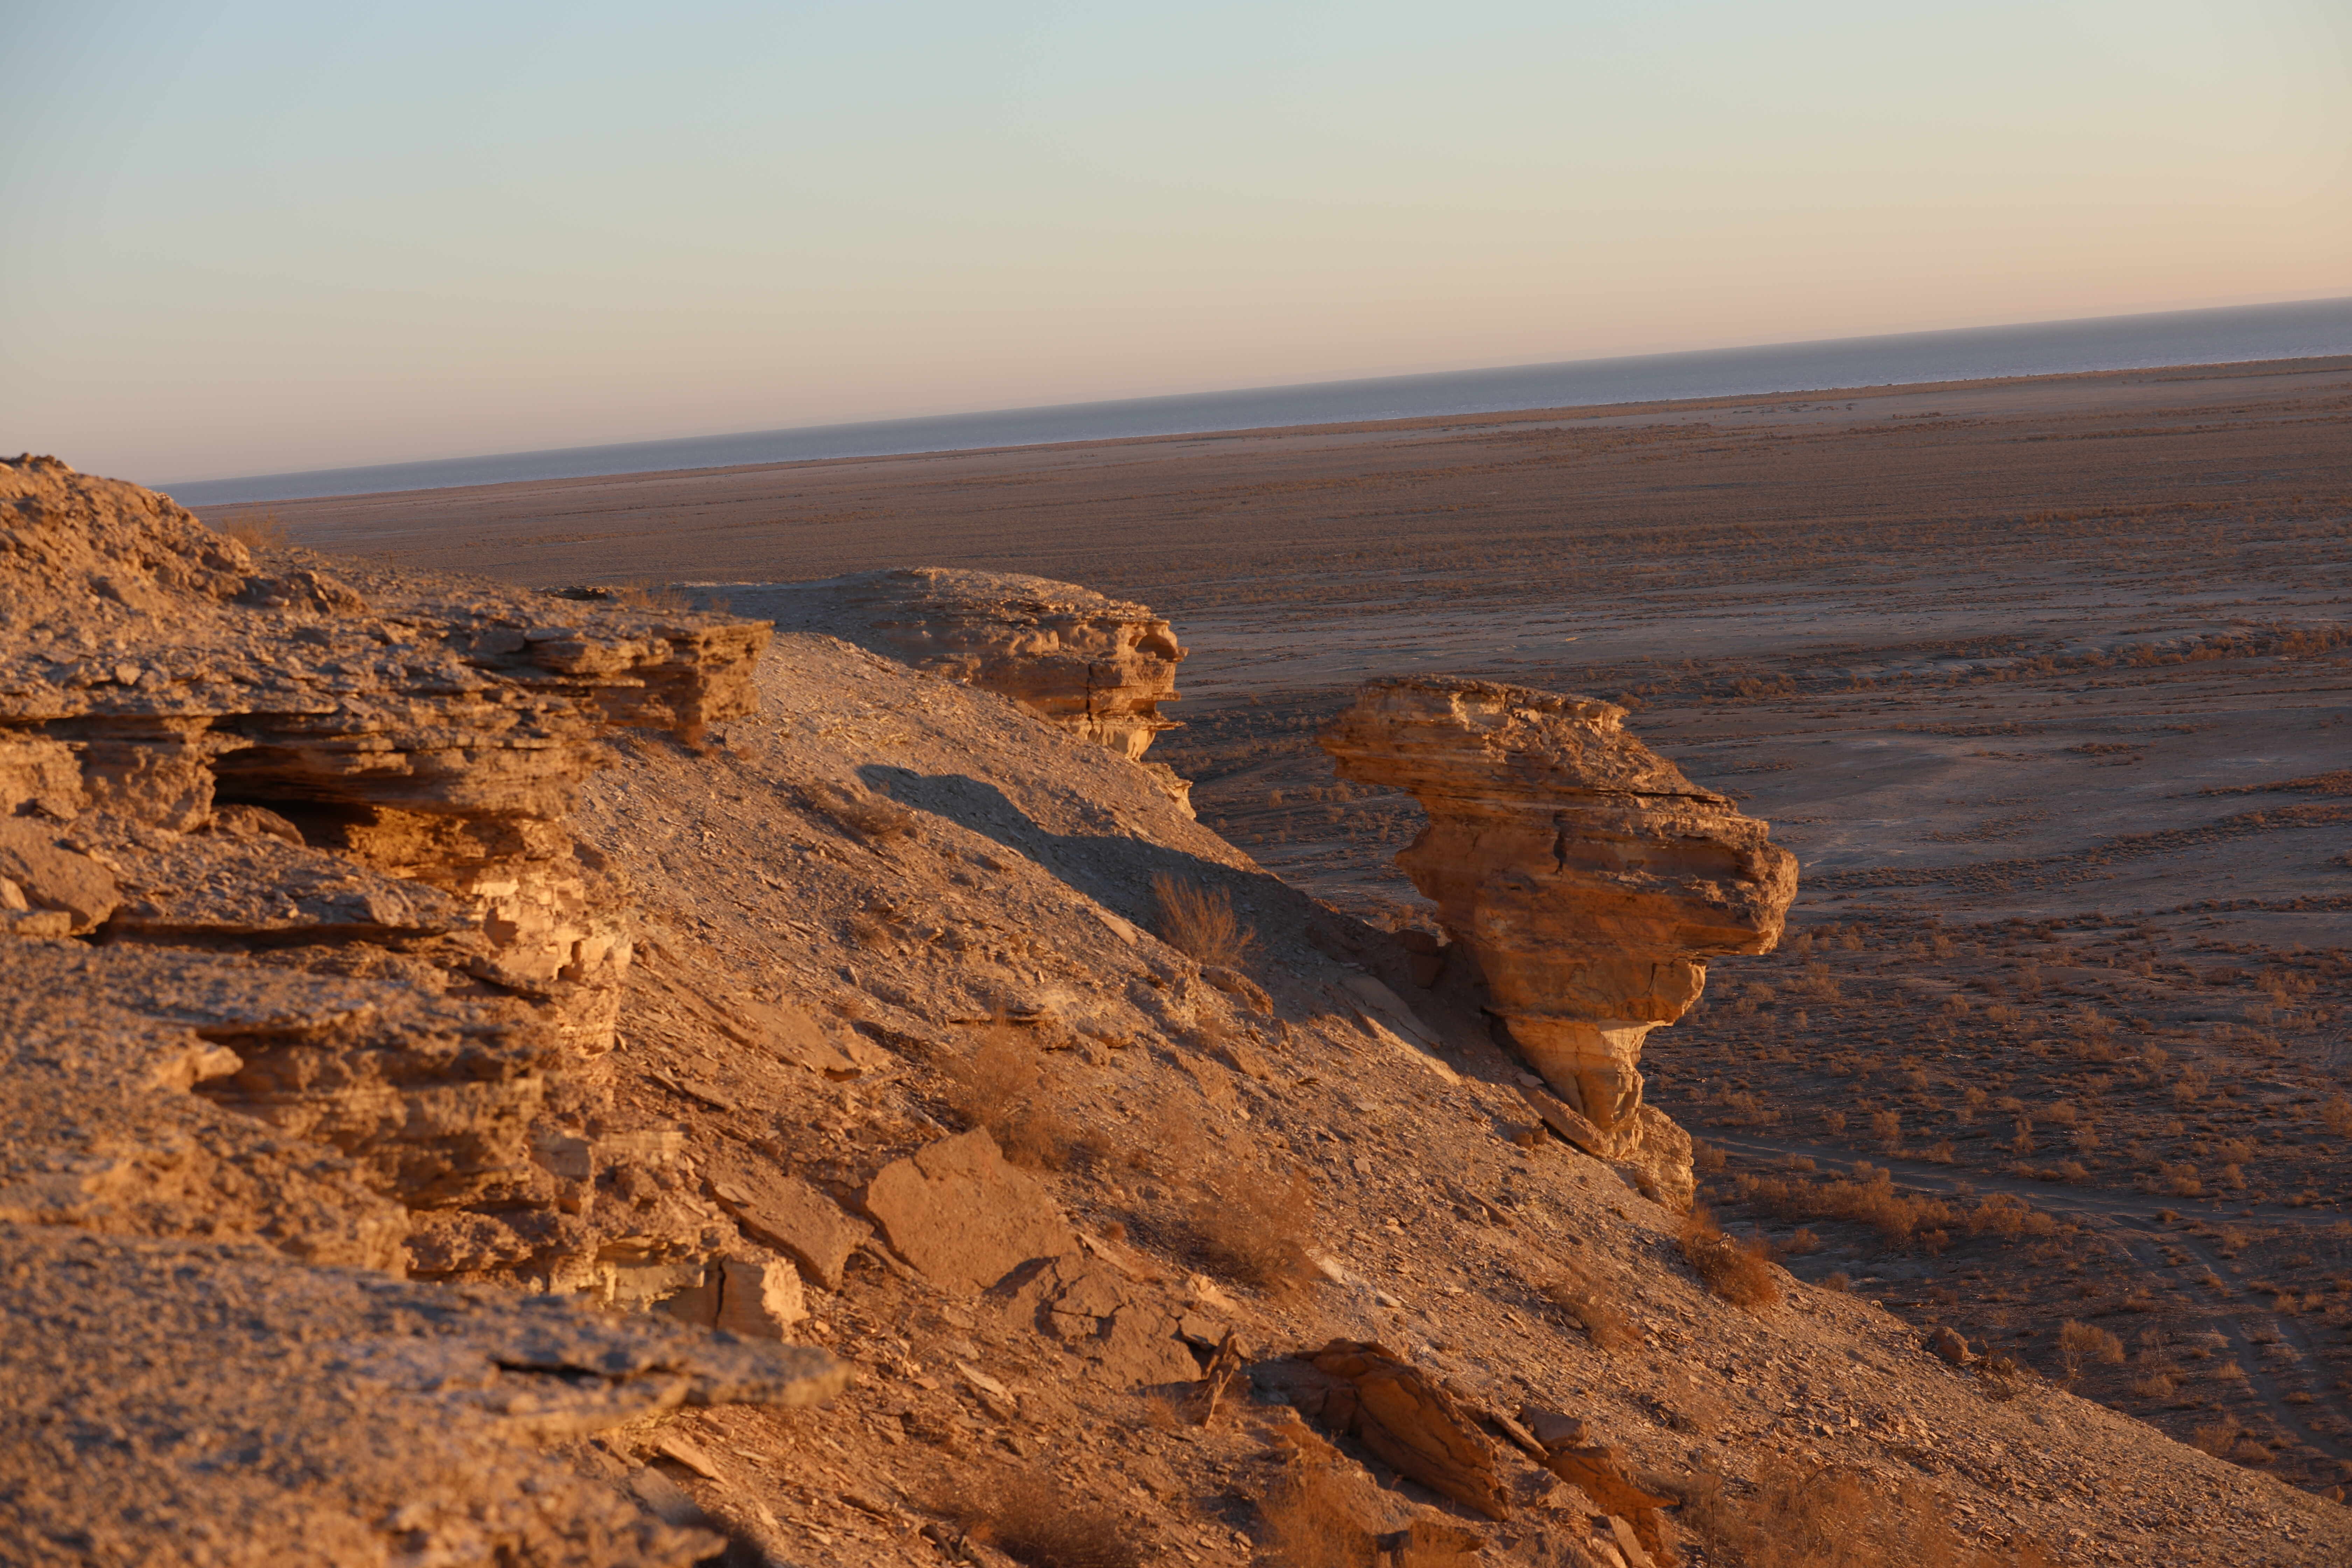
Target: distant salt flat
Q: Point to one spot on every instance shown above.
(2301, 330)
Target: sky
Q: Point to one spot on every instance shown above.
(255, 235)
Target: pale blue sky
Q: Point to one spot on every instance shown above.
(252, 236)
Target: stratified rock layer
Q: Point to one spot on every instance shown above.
(1587, 875)
(1096, 666)
(304, 947)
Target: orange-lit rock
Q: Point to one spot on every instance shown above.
(1589, 879)
(1098, 667)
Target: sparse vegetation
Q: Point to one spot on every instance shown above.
(1038, 1522)
(1740, 1273)
(999, 1087)
(1199, 922)
(1252, 1229)
(259, 530)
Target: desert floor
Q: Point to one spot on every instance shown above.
(2044, 680)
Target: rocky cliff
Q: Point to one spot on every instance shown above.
(306, 969)
(1098, 667)
(1149, 1239)
(1588, 877)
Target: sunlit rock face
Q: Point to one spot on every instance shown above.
(1098, 667)
(282, 851)
(1589, 878)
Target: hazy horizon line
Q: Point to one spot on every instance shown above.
(1172, 401)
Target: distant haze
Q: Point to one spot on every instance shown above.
(254, 237)
(2296, 332)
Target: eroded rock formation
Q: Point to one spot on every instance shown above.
(1096, 666)
(1589, 878)
(305, 947)
(301, 975)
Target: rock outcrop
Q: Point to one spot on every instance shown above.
(1098, 667)
(304, 985)
(306, 952)
(1588, 877)
(186, 1403)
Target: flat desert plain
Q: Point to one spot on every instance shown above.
(2044, 680)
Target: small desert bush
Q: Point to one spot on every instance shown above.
(2079, 1343)
(1740, 1273)
(1199, 922)
(1252, 1229)
(999, 1087)
(2217, 1437)
(1594, 1307)
(264, 531)
(1035, 1520)
(662, 596)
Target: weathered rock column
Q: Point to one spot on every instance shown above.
(1588, 877)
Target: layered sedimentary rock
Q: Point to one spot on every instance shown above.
(152, 672)
(303, 983)
(1588, 877)
(1098, 667)
(304, 947)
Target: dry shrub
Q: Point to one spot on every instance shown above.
(2079, 1343)
(999, 1087)
(662, 596)
(2216, 1439)
(1741, 1273)
(1826, 1516)
(1033, 1521)
(1900, 1219)
(872, 817)
(266, 531)
(1199, 922)
(1594, 1307)
(1252, 1229)
(1311, 1518)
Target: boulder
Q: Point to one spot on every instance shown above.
(1129, 1332)
(1363, 1390)
(959, 1213)
(781, 1210)
(1585, 874)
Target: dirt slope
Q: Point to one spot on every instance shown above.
(994, 868)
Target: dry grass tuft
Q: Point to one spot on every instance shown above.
(662, 596)
(264, 530)
(999, 1087)
(2079, 1343)
(1033, 1521)
(1594, 1307)
(1252, 1229)
(1741, 1273)
(1199, 922)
